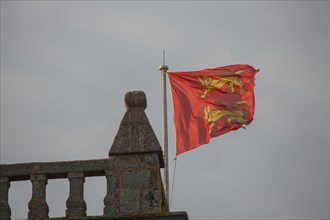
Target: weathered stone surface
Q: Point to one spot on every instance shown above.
(139, 183)
(110, 206)
(5, 211)
(135, 134)
(38, 208)
(53, 170)
(76, 205)
(138, 158)
(136, 99)
(136, 216)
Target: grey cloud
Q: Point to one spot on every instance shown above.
(65, 67)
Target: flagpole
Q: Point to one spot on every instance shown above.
(163, 70)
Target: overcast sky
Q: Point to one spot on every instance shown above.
(65, 67)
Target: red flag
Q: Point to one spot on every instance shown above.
(211, 102)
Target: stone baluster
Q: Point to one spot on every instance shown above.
(76, 206)
(4, 205)
(111, 206)
(38, 208)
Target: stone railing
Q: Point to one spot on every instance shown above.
(40, 173)
(132, 172)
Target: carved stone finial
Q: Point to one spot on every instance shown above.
(135, 99)
(135, 134)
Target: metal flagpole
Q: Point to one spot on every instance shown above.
(163, 69)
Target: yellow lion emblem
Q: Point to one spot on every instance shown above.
(212, 116)
(208, 84)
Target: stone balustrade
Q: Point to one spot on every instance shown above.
(132, 173)
(40, 173)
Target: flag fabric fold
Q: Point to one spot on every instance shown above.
(211, 102)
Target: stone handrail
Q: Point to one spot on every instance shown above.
(40, 173)
(132, 172)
